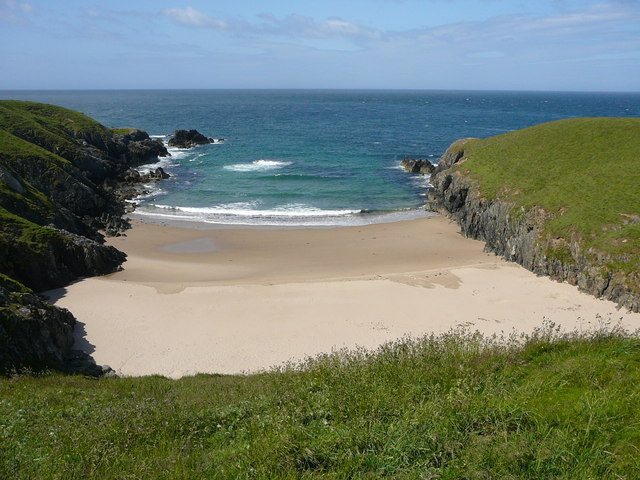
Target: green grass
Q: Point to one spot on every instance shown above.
(47, 124)
(582, 173)
(449, 407)
(122, 131)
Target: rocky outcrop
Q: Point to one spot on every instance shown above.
(139, 149)
(33, 334)
(454, 153)
(516, 234)
(60, 258)
(60, 186)
(37, 336)
(417, 165)
(189, 139)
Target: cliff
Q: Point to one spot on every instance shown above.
(59, 177)
(560, 199)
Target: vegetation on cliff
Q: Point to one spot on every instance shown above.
(574, 181)
(449, 407)
(58, 174)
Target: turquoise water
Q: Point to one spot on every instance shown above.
(312, 158)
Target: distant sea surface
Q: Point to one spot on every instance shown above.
(313, 158)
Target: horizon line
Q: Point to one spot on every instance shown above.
(301, 89)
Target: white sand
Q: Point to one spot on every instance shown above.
(231, 301)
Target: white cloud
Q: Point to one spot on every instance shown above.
(290, 26)
(191, 17)
(14, 11)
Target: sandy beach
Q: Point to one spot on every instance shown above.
(199, 300)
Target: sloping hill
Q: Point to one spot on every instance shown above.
(561, 198)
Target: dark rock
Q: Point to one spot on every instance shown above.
(188, 139)
(59, 258)
(417, 165)
(79, 362)
(158, 174)
(34, 335)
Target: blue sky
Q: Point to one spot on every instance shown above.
(574, 45)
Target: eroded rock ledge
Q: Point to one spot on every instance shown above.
(516, 235)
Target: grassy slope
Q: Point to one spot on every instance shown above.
(458, 406)
(30, 133)
(585, 172)
(24, 232)
(48, 126)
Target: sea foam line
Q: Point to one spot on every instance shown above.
(246, 210)
(257, 165)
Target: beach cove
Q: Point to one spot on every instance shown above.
(227, 300)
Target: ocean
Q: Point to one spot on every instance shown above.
(313, 158)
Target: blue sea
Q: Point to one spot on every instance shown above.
(313, 158)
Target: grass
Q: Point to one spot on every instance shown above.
(47, 125)
(454, 406)
(122, 131)
(583, 173)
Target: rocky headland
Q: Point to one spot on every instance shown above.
(63, 182)
(560, 199)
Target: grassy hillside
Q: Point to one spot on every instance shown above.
(457, 406)
(584, 173)
(49, 126)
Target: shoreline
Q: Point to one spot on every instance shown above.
(360, 219)
(242, 300)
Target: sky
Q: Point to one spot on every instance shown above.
(558, 45)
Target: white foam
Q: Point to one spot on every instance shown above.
(242, 209)
(164, 162)
(153, 189)
(290, 215)
(257, 166)
(308, 220)
(179, 152)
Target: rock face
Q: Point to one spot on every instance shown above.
(417, 165)
(188, 139)
(33, 334)
(37, 336)
(60, 258)
(516, 235)
(60, 184)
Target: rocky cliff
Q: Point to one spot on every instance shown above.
(552, 222)
(60, 173)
